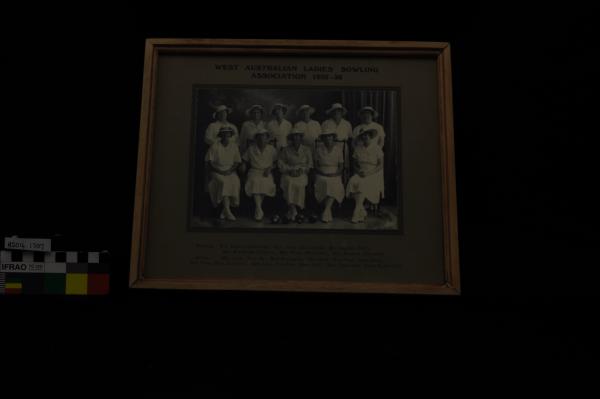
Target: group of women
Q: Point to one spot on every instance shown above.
(294, 150)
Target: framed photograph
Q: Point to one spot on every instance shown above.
(296, 165)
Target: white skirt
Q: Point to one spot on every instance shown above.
(224, 186)
(257, 183)
(329, 186)
(371, 186)
(294, 189)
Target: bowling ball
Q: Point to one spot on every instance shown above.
(275, 219)
(300, 218)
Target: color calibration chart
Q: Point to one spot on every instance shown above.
(41, 271)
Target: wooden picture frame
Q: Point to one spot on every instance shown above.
(436, 53)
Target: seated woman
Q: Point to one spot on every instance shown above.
(295, 160)
(367, 182)
(222, 160)
(260, 156)
(329, 165)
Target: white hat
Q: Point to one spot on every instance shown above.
(221, 108)
(336, 106)
(327, 133)
(225, 129)
(311, 110)
(366, 130)
(296, 130)
(279, 105)
(369, 109)
(255, 106)
(258, 131)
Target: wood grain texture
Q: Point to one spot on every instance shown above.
(449, 211)
(298, 44)
(439, 50)
(294, 285)
(142, 187)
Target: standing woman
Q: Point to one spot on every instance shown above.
(261, 156)
(336, 122)
(222, 160)
(365, 184)
(220, 115)
(310, 127)
(279, 127)
(295, 161)
(367, 116)
(255, 114)
(329, 165)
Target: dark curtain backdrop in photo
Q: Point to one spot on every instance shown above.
(525, 95)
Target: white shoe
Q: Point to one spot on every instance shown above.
(229, 216)
(259, 215)
(326, 217)
(364, 215)
(359, 216)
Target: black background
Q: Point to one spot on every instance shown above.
(525, 104)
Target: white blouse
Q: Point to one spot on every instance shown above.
(280, 131)
(260, 159)
(367, 157)
(311, 130)
(327, 162)
(290, 159)
(223, 157)
(343, 129)
(248, 130)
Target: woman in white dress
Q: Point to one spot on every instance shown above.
(295, 161)
(366, 183)
(329, 165)
(367, 116)
(212, 131)
(309, 126)
(336, 122)
(254, 123)
(222, 160)
(261, 157)
(279, 127)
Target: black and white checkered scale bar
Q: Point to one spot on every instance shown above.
(54, 257)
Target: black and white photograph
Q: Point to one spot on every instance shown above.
(295, 158)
